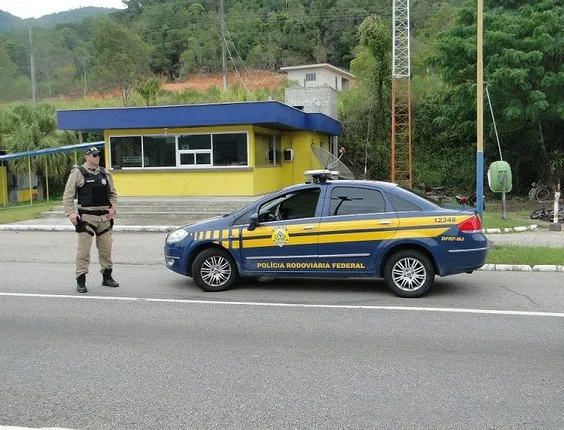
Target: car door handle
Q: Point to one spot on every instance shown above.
(386, 222)
(309, 227)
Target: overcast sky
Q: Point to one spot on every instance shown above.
(37, 8)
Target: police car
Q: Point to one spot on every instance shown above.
(335, 229)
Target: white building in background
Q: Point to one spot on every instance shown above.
(319, 75)
(313, 88)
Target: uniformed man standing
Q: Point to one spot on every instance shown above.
(96, 195)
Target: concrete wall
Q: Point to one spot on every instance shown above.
(313, 99)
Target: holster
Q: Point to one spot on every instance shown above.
(80, 227)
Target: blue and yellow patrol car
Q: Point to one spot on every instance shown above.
(332, 228)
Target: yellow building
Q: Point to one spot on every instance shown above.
(228, 149)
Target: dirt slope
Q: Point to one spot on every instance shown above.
(251, 80)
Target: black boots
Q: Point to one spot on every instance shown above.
(81, 283)
(108, 281)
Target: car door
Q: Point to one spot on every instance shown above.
(285, 239)
(357, 221)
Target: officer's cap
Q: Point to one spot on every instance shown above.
(92, 151)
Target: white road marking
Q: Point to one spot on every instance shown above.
(296, 305)
(31, 428)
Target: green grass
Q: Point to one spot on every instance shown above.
(513, 219)
(24, 211)
(530, 255)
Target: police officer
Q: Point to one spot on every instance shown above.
(96, 195)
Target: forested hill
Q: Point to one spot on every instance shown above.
(10, 22)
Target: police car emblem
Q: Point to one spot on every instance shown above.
(280, 236)
(103, 182)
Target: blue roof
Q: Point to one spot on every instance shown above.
(46, 151)
(270, 114)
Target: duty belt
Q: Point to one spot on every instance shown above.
(88, 212)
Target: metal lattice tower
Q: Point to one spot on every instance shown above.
(401, 96)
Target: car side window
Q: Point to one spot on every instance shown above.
(402, 205)
(293, 205)
(245, 218)
(353, 200)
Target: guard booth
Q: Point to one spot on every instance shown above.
(226, 149)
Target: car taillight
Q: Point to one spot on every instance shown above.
(471, 224)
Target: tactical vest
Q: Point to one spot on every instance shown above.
(96, 189)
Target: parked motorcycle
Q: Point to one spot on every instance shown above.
(469, 200)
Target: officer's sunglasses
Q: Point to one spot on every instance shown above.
(95, 155)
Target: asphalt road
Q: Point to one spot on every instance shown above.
(480, 351)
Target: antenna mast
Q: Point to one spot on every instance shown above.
(401, 96)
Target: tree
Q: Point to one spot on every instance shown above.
(523, 56)
(121, 58)
(365, 109)
(149, 91)
(166, 30)
(29, 128)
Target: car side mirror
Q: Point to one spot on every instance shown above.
(254, 222)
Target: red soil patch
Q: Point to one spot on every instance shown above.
(251, 80)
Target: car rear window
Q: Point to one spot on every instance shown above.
(403, 205)
(353, 200)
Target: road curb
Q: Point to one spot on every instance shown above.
(510, 229)
(521, 268)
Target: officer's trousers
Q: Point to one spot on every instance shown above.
(95, 224)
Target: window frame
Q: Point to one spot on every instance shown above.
(276, 141)
(194, 152)
(178, 151)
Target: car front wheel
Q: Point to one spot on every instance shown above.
(409, 273)
(214, 270)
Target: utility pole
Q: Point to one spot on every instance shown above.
(480, 109)
(223, 43)
(32, 61)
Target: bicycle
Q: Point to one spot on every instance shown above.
(469, 200)
(547, 214)
(539, 192)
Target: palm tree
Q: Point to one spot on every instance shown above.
(30, 128)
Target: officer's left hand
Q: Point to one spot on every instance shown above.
(111, 213)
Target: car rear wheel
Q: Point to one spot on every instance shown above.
(214, 270)
(409, 273)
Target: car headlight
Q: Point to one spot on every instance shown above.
(176, 236)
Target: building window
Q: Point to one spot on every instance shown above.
(230, 149)
(184, 150)
(267, 149)
(126, 151)
(159, 151)
(143, 151)
(195, 150)
(310, 77)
